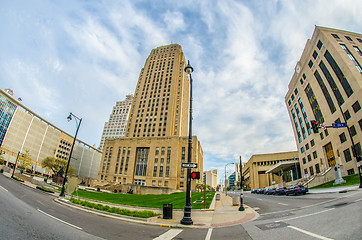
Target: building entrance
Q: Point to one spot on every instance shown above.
(330, 155)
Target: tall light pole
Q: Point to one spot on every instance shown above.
(16, 161)
(225, 178)
(241, 208)
(186, 220)
(71, 151)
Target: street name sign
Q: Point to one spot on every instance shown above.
(339, 125)
(189, 165)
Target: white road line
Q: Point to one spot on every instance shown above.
(170, 234)
(358, 200)
(60, 220)
(283, 204)
(208, 235)
(4, 188)
(313, 205)
(310, 234)
(260, 199)
(304, 215)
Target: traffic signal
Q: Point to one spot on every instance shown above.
(314, 126)
(195, 175)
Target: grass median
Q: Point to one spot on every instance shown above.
(151, 201)
(351, 180)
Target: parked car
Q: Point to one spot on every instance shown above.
(269, 191)
(261, 190)
(254, 191)
(280, 191)
(296, 190)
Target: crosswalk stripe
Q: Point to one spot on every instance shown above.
(208, 235)
(170, 234)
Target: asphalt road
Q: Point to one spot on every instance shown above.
(28, 213)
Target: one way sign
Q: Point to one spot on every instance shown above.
(189, 165)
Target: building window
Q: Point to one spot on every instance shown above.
(357, 50)
(315, 154)
(325, 91)
(317, 170)
(310, 64)
(342, 78)
(360, 124)
(359, 40)
(181, 184)
(342, 137)
(331, 83)
(304, 160)
(311, 170)
(326, 132)
(347, 115)
(307, 146)
(350, 171)
(166, 183)
(289, 102)
(352, 58)
(153, 182)
(321, 135)
(141, 161)
(305, 171)
(335, 36)
(353, 131)
(315, 54)
(309, 158)
(312, 142)
(356, 107)
(319, 45)
(314, 104)
(347, 155)
(302, 150)
(348, 38)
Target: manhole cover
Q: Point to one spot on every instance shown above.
(272, 225)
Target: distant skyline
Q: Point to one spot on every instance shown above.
(84, 56)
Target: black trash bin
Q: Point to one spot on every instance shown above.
(167, 211)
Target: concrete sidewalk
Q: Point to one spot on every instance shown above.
(334, 190)
(224, 214)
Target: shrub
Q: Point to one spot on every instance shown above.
(120, 211)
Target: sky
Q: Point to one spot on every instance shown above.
(82, 56)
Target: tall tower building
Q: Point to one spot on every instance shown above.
(327, 87)
(117, 123)
(156, 139)
(160, 106)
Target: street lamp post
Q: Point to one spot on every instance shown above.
(186, 220)
(16, 161)
(71, 151)
(241, 208)
(226, 192)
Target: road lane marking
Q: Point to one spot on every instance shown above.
(283, 204)
(358, 200)
(170, 234)
(260, 199)
(208, 235)
(4, 188)
(313, 205)
(307, 215)
(310, 233)
(60, 220)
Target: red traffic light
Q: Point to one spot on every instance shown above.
(195, 175)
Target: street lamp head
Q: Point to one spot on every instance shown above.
(188, 68)
(69, 117)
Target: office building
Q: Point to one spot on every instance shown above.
(22, 130)
(263, 170)
(156, 142)
(326, 87)
(210, 178)
(117, 123)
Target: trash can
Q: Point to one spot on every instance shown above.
(167, 211)
(236, 201)
(217, 196)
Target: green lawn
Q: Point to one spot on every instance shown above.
(350, 181)
(152, 201)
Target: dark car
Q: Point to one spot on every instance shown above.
(254, 190)
(261, 191)
(296, 190)
(280, 191)
(269, 191)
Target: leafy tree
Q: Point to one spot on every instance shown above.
(1, 158)
(56, 165)
(24, 161)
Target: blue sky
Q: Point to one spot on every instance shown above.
(83, 56)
